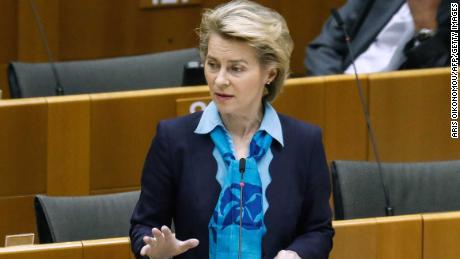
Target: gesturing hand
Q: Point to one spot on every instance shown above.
(164, 244)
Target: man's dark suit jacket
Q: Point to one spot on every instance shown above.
(364, 19)
(179, 182)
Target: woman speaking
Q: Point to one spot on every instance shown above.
(239, 180)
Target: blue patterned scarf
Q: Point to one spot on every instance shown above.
(224, 226)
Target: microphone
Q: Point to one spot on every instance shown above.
(240, 237)
(338, 19)
(59, 90)
(242, 166)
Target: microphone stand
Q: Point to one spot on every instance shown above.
(388, 208)
(59, 90)
(240, 237)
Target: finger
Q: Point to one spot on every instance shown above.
(167, 233)
(150, 240)
(281, 254)
(160, 238)
(145, 250)
(188, 244)
(287, 254)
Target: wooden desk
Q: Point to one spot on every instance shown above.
(411, 115)
(70, 250)
(355, 239)
(68, 142)
(378, 238)
(345, 131)
(113, 248)
(23, 135)
(441, 235)
(421, 236)
(399, 237)
(122, 128)
(17, 216)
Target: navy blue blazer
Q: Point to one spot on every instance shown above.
(179, 183)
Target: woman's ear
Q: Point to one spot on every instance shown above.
(272, 73)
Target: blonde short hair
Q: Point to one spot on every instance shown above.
(262, 28)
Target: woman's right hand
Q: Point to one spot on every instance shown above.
(164, 244)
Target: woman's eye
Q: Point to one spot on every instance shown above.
(237, 69)
(212, 65)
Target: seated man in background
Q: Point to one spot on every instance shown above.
(385, 35)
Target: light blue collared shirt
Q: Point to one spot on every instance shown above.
(270, 123)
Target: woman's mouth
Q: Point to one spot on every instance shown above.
(223, 97)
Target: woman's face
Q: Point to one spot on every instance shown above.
(235, 77)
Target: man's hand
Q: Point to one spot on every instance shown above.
(164, 244)
(287, 254)
(424, 13)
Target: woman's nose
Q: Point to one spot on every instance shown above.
(221, 79)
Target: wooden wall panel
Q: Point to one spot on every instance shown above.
(116, 190)
(4, 82)
(8, 41)
(441, 235)
(8, 30)
(411, 115)
(68, 138)
(106, 28)
(399, 237)
(122, 128)
(89, 29)
(23, 146)
(29, 44)
(17, 216)
(70, 250)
